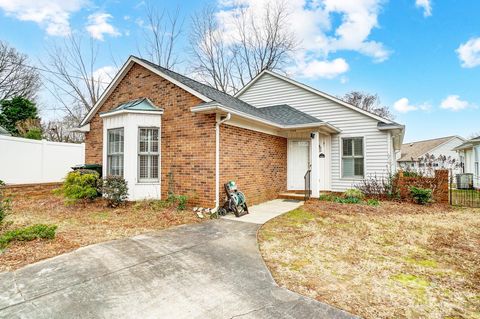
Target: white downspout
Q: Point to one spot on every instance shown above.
(217, 159)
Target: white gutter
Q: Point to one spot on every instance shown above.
(217, 160)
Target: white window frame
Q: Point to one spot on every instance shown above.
(120, 154)
(149, 155)
(476, 153)
(342, 157)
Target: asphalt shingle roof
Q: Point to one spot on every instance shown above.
(280, 114)
(415, 150)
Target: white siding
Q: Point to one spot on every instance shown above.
(270, 90)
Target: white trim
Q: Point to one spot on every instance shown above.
(114, 113)
(121, 74)
(315, 91)
(220, 107)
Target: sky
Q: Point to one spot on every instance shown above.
(422, 57)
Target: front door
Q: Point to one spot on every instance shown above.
(298, 161)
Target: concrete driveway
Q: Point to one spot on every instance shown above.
(208, 270)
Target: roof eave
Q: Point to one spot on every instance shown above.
(216, 107)
(126, 111)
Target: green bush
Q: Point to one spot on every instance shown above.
(80, 184)
(4, 204)
(347, 200)
(354, 193)
(373, 202)
(179, 200)
(421, 196)
(27, 234)
(115, 190)
(326, 197)
(34, 134)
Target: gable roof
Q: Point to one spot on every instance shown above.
(468, 144)
(317, 92)
(211, 96)
(416, 150)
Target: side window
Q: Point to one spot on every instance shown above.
(353, 164)
(115, 147)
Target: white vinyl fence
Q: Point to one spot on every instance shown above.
(24, 161)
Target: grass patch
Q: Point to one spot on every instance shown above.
(27, 234)
(396, 260)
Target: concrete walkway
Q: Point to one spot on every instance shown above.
(260, 214)
(207, 270)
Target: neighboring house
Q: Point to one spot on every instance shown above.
(469, 153)
(165, 132)
(4, 131)
(412, 153)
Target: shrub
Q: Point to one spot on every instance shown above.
(4, 203)
(326, 197)
(28, 233)
(373, 202)
(347, 200)
(180, 200)
(353, 193)
(115, 190)
(80, 184)
(379, 186)
(421, 196)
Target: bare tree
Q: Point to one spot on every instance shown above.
(263, 43)
(474, 135)
(17, 78)
(258, 41)
(212, 61)
(72, 79)
(59, 131)
(368, 102)
(161, 35)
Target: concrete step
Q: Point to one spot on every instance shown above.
(291, 195)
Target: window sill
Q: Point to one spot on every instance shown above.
(148, 183)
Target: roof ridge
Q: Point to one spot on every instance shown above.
(430, 140)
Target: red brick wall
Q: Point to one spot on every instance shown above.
(30, 190)
(188, 139)
(439, 185)
(256, 161)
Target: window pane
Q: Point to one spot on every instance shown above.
(358, 167)
(143, 140)
(347, 147)
(358, 147)
(115, 152)
(154, 166)
(154, 141)
(143, 162)
(347, 168)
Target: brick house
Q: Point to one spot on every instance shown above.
(165, 132)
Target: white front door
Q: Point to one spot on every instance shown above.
(324, 162)
(297, 166)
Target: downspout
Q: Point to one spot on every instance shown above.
(217, 159)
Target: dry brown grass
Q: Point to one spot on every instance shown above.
(81, 225)
(393, 261)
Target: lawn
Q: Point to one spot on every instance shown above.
(81, 225)
(396, 260)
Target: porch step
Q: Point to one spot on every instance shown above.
(291, 195)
